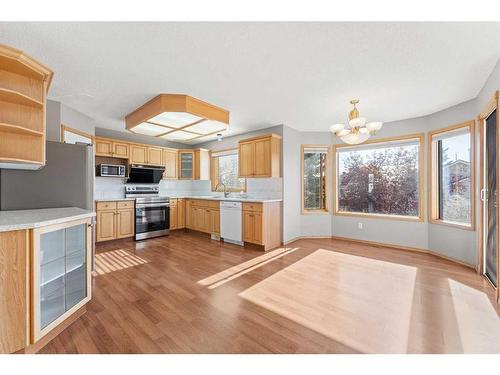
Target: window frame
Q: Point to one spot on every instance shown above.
(326, 210)
(420, 137)
(214, 165)
(433, 177)
(65, 128)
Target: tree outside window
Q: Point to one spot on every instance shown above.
(314, 170)
(225, 170)
(379, 179)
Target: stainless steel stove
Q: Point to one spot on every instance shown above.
(152, 212)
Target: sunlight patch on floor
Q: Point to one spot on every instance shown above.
(115, 260)
(476, 319)
(236, 271)
(360, 302)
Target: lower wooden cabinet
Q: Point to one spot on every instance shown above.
(114, 219)
(252, 227)
(262, 224)
(203, 215)
(177, 213)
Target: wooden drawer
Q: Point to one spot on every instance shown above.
(107, 205)
(125, 204)
(254, 207)
(173, 202)
(205, 203)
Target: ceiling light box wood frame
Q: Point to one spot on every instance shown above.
(177, 118)
(24, 84)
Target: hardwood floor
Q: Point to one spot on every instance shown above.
(187, 294)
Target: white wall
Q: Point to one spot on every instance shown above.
(291, 184)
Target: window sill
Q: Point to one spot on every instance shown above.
(380, 216)
(315, 212)
(453, 224)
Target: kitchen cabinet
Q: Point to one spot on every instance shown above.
(114, 219)
(155, 156)
(260, 157)
(61, 284)
(194, 164)
(138, 154)
(111, 148)
(170, 163)
(262, 224)
(181, 213)
(174, 214)
(121, 150)
(24, 85)
(252, 227)
(186, 165)
(177, 213)
(203, 215)
(106, 225)
(103, 147)
(125, 223)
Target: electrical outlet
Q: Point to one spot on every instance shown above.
(360, 225)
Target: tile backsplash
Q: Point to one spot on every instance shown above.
(260, 188)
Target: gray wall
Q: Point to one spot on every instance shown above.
(130, 137)
(53, 121)
(232, 142)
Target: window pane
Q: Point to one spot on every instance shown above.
(314, 180)
(454, 178)
(380, 180)
(228, 172)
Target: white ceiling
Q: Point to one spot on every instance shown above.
(298, 74)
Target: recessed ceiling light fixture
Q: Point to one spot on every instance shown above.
(359, 131)
(178, 118)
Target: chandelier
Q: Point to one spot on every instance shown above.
(358, 130)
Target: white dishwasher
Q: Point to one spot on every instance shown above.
(230, 222)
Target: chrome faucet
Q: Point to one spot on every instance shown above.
(226, 193)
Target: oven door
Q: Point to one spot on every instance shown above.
(151, 220)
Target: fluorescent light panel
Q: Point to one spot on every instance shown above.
(179, 135)
(150, 129)
(175, 119)
(207, 127)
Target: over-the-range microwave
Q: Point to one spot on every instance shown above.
(110, 170)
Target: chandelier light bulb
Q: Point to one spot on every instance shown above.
(358, 130)
(335, 128)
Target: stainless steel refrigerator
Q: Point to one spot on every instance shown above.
(67, 180)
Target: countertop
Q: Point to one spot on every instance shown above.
(115, 200)
(230, 199)
(28, 219)
(204, 197)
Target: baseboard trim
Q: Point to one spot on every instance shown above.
(392, 246)
(407, 248)
(303, 238)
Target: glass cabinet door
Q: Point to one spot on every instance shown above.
(62, 271)
(186, 165)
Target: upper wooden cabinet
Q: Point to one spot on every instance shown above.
(145, 155)
(155, 156)
(121, 150)
(260, 156)
(170, 163)
(24, 83)
(138, 154)
(111, 148)
(194, 164)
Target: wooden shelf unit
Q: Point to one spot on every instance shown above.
(24, 83)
